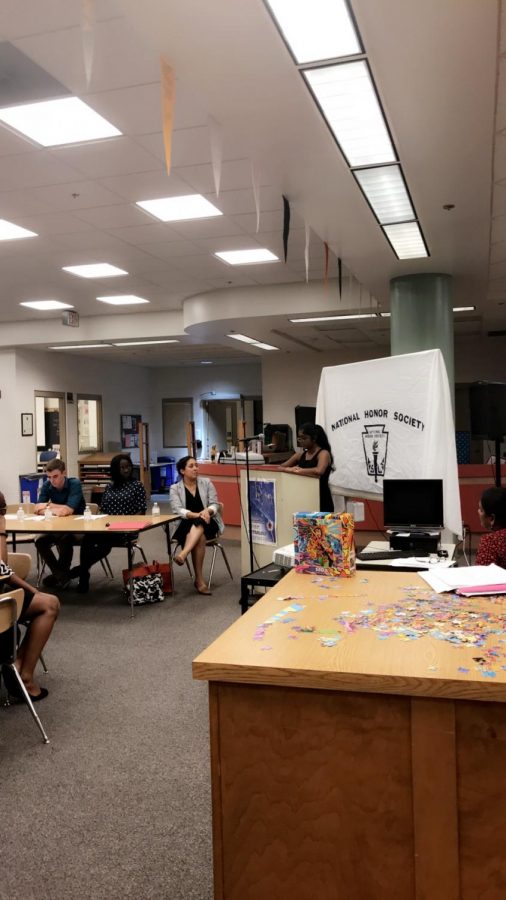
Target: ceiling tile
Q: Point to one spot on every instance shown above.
(112, 216)
(147, 186)
(76, 195)
(100, 159)
(134, 110)
(33, 170)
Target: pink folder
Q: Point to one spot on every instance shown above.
(482, 589)
(127, 526)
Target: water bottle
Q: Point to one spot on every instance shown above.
(155, 510)
(87, 513)
(26, 497)
(48, 513)
(20, 513)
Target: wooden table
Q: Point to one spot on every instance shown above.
(127, 526)
(373, 768)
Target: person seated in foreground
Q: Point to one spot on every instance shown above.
(124, 496)
(40, 612)
(63, 496)
(492, 513)
(196, 501)
(314, 460)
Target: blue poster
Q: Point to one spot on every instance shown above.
(262, 498)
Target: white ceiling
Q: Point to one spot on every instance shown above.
(439, 68)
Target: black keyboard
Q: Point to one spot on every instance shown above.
(371, 555)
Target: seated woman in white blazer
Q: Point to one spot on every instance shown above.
(196, 501)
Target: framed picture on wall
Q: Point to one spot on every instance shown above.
(129, 432)
(26, 424)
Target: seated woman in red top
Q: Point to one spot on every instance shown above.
(492, 513)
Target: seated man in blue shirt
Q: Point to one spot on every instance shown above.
(64, 497)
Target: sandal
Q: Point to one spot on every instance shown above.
(205, 590)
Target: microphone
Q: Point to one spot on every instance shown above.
(254, 437)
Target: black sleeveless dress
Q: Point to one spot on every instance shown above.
(194, 504)
(326, 502)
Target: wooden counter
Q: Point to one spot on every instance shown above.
(354, 757)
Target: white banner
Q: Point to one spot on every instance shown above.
(391, 418)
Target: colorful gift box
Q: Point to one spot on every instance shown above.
(324, 543)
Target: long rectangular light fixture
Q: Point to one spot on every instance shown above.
(55, 122)
(464, 308)
(406, 240)
(348, 100)
(386, 193)
(334, 318)
(253, 343)
(316, 29)
(144, 343)
(79, 346)
(177, 209)
(247, 257)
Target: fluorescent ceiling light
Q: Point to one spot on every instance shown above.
(252, 341)
(406, 240)
(176, 209)
(11, 232)
(95, 270)
(316, 29)
(138, 343)
(53, 122)
(349, 103)
(385, 315)
(464, 308)
(247, 257)
(79, 346)
(122, 300)
(333, 318)
(206, 362)
(386, 192)
(46, 304)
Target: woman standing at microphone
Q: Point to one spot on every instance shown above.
(313, 460)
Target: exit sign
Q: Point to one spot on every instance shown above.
(70, 317)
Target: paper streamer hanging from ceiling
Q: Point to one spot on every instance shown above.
(255, 182)
(326, 264)
(286, 225)
(88, 36)
(216, 141)
(168, 83)
(340, 275)
(306, 251)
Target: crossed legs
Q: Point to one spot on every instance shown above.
(195, 544)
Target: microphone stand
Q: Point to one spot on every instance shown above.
(246, 441)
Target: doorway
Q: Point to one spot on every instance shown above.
(50, 424)
(221, 419)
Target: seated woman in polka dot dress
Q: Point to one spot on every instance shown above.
(125, 496)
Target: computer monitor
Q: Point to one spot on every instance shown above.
(413, 503)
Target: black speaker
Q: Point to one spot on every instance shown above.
(303, 415)
(487, 402)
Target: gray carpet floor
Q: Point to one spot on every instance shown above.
(118, 804)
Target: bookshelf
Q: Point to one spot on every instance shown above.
(93, 471)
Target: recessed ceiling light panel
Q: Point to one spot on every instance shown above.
(464, 308)
(46, 304)
(252, 341)
(95, 270)
(177, 209)
(247, 257)
(55, 122)
(11, 232)
(316, 29)
(386, 192)
(122, 300)
(347, 97)
(406, 240)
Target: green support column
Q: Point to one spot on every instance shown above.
(421, 318)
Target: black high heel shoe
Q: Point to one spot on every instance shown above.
(14, 690)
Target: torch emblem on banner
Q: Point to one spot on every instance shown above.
(375, 441)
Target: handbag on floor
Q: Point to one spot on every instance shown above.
(150, 582)
(154, 568)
